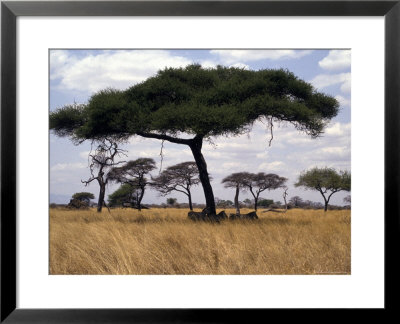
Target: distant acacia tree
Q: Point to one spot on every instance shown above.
(247, 202)
(257, 183)
(236, 180)
(296, 201)
(326, 181)
(134, 174)
(180, 177)
(347, 199)
(284, 195)
(83, 197)
(171, 201)
(201, 102)
(223, 203)
(266, 202)
(102, 159)
(124, 194)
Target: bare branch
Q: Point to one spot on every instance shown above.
(89, 181)
(271, 126)
(161, 155)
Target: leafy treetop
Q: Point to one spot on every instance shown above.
(199, 101)
(83, 196)
(324, 180)
(124, 194)
(132, 172)
(179, 177)
(237, 180)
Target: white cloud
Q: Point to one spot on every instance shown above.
(346, 86)
(271, 166)
(208, 64)
(241, 66)
(117, 69)
(343, 101)
(336, 60)
(338, 150)
(339, 129)
(326, 80)
(68, 166)
(123, 68)
(235, 56)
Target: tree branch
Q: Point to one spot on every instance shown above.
(166, 138)
(88, 181)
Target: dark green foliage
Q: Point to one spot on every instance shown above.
(77, 204)
(124, 194)
(171, 201)
(198, 101)
(133, 173)
(83, 197)
(221, 203)
(265, 202)
(67, 120)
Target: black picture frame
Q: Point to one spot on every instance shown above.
(10, 10)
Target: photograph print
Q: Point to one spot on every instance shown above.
(200, 162)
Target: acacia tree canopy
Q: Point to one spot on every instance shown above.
(134, 174)
(238, 181)
(124, 194)
(198, 101)
(257, 183)
(83, 196)
(327, 181)
(201, 102)
(180, 177)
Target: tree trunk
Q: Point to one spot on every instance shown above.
(256, 202)
(284, 199)
(196, 146)
(326, 203)
(101, 197)
(237, 201)
(255, 198)
(190, 200)
(325, 200)
(140, 199)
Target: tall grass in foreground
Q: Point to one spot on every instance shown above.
(165, 241)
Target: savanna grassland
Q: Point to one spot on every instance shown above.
(165, 241)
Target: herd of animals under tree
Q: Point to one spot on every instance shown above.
(204, 103)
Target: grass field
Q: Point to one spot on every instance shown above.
(165, 241)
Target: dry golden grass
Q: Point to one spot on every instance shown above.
(165, 241)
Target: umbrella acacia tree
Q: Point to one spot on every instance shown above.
(83, 197)
(257, 183)
(187, 105)
(134, 174)
(180, 177)
(237, 181)
(326, 181)
(125, 194)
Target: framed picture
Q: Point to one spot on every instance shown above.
(44, 59)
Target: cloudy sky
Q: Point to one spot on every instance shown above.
(76, 74)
